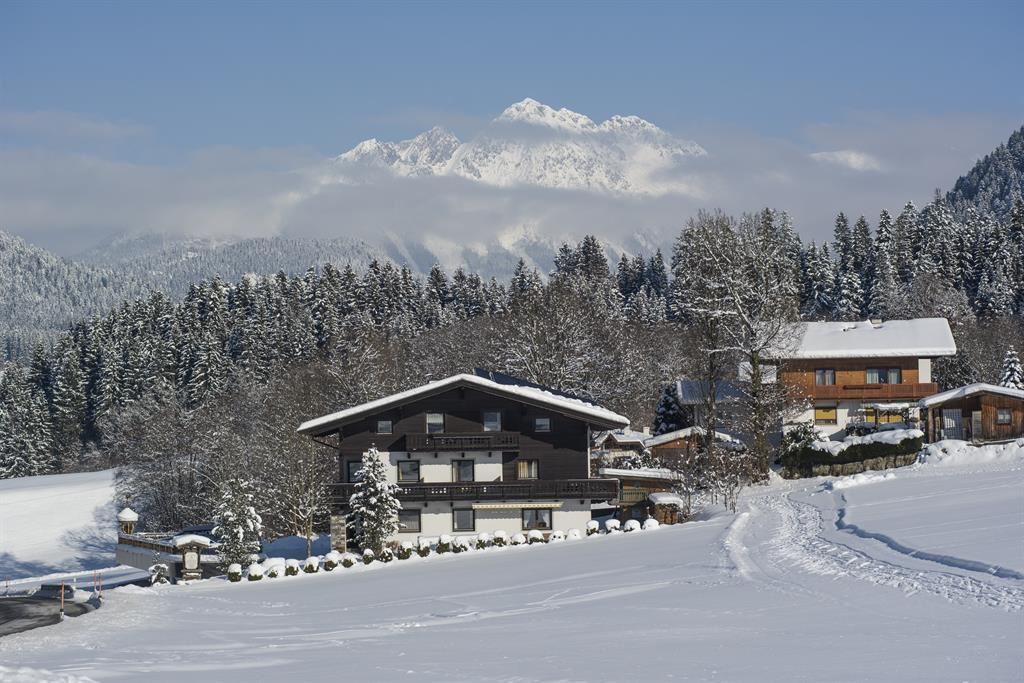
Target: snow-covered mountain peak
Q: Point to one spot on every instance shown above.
(536, 113)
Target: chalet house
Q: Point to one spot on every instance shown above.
(864, 372)
(976, 412)
(474, 453)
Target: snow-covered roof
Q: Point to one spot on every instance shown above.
(890, 407)
(969, 390)
(185, 539)
(641, 473)
(920, 338)
(127, 515)
(666, 498)
(690, 392)
(622, 436)
(683, 434)
(528, 394)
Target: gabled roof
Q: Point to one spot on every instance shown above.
(969, 390)
(919, 338)
(531, 395)
(621, 437)
(684, 433)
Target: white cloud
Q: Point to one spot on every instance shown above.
(56, 124)
(849, 158)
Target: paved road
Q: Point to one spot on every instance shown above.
(22, 614)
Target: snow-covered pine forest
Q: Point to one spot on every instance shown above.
(612, 332)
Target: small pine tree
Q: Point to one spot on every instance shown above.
(1013, 372)
(668, 416)
(237, 523)
(639, 460)
(374, 504)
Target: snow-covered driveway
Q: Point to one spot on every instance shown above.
(778, 592)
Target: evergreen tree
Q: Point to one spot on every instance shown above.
(848, 299)
(1013, 372)
(668, 416)
(374, 504)
(238, 525)
(843, 242)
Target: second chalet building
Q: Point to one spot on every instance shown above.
(475, 453)
(872, 371)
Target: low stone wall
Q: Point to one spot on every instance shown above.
(843, 469)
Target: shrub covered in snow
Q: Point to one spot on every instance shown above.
(254, 572)
(460, 544)
(556, 536)
(631, 525)
(274, 571)
(404, 550)
(348, 559)
(573, 535)
(367, 556)
(484, 541)
(651, 524)
(159, 573)
(518, 539)
(385, 555)
(291, 568)
(311, 565)
(331, 561)
(444, 544)
(424, 548)
(612, 525)
(593, 527)
(500, 538)
(234, 572)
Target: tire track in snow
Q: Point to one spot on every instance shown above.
(801, 543)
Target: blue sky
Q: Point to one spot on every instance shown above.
(157, 83)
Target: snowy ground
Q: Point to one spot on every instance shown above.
(56, 523)
(881, 581)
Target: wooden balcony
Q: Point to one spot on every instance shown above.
(475, 441)
(883, 392)
(591, 489)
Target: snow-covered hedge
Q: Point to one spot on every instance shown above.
(534, 536)
(254, 572)
(518, 539)
(331, 561)
(650, 524)
(444, 544)
(348, 560)
(800, 460)
(424, 548)
(612, 525)
(573, 535)
(556, 536)
(311, 565)
(460, 544)
(368, 556)
(593, 527)
(291, 568)
(234, 572)
(405, 550)
(385, 555)
(500, 538)
(483, 541)
(631, 525)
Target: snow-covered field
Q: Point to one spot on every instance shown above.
(913, 577)
(56, 523)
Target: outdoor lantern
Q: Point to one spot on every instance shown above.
(126, 519)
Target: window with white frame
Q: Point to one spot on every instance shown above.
(527, 469)
(435, 423)
(883, 376)
(825, 376)
(1004, 416)
(536, 518)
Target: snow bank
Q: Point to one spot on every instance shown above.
(859, 480)
(893, 436)
(952, 452)
(26, 675)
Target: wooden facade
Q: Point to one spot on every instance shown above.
(851, 379)
(976, 418)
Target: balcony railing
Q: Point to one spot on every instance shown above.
(877, 391)
(475, 441)
(593, 489)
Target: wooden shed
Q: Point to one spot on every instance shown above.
(976, 412)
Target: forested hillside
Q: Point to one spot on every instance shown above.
(994, 184)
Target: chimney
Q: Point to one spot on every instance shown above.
(647, 431)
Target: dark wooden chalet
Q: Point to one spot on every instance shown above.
(976, 412)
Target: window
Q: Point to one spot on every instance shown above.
(536, 519)
(825, 376)
(435, 423)
(542, 424)
(883, 376)
(354, 470)
(825, 415)
(383, 426)
(870, 415)
(463, 520)
(492, 420)
(408, 470)
(527, 469)
(462, 470)
(409, 521)
(1004, 416)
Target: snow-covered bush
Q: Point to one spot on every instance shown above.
(367, 556)
(424, 548)
(444, 544)
(311, 565)
(518, 539)
(159, 573)
(631, 525)
(651, 523)
(331, 561)
(573, 535)
(534, 536)
(556, 536)
(254, 572)
(291, 568)
(483, 541)
(234, 572)
(274, 571)
(593, 527)
(385, 555)
(238, 525)
(612, 525)
(347, 560)
(460, 544)
(500, 538)
(405, 550)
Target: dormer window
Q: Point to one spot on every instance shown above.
(492, 420)
(884, 376)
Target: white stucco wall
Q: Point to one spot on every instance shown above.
(437, 468)
(924, 370)
(436, 518)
